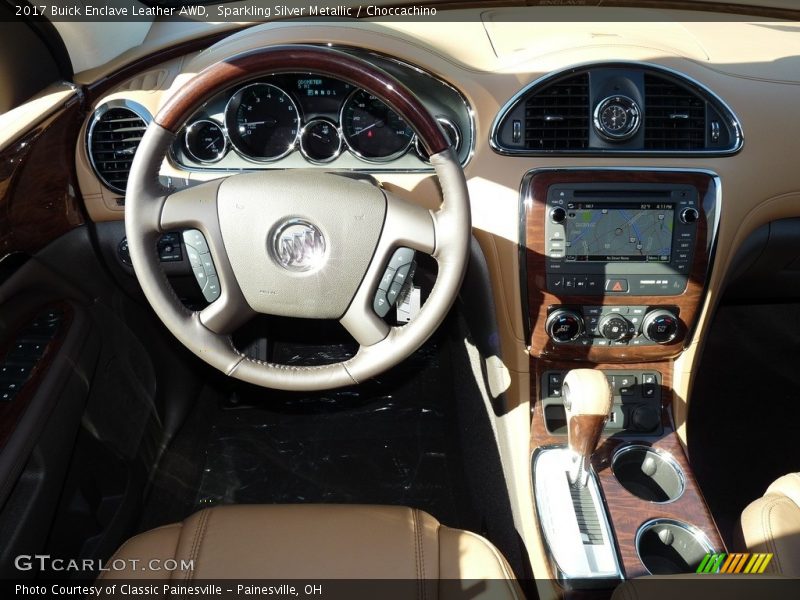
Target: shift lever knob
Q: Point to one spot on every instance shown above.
(587, 400)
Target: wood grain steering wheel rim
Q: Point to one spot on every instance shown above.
(211, 207)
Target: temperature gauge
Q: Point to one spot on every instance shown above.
(205, 141)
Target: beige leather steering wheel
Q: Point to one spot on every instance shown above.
(360, 223)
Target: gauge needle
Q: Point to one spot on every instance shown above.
(213, 142)
(265, 122)
(375, 124)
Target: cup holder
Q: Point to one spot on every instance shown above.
(668, 547)
(648, 474)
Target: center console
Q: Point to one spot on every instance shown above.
(614, 267)
(615, 261)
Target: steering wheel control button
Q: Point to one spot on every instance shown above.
(202, 264)
(387, 279)
(401, 257)
(398, 273)
(381, 304)
(194, 238)
(169, 248)
(298, 246)
(211, 291)
(394, 292)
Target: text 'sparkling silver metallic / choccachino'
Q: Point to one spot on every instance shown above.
(298, 246)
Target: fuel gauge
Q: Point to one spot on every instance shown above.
(320, 141)
(205, 141)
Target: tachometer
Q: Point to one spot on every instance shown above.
(372, 130)
(262, 121)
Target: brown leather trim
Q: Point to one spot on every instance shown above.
(289, 59)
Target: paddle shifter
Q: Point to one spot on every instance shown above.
(587, 400)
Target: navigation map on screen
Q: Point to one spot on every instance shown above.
(626, 232)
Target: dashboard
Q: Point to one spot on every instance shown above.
(671, 139)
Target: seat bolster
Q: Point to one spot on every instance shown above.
(139, 551)
(772, 524)
(788, 485)
(467, 557)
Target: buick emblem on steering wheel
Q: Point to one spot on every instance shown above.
(298, 246)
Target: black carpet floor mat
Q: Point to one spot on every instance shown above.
(390, 441)
(745, 407)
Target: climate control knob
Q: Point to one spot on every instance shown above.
(614, 327)
(564, 325)
(660, 326)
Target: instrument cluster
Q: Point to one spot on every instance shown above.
(321, 119)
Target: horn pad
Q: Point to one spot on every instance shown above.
(300, 241)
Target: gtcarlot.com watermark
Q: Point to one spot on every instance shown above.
(44, 562)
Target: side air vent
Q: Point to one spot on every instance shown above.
(114, 135)
(557, 116)
(617, 108)
(675, 117)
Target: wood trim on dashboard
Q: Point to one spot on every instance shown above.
(291, 59)
(540, 300)
(627, 512)
(39, 201)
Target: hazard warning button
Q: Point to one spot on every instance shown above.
(619, 286)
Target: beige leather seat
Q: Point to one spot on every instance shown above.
(772, 524)
(319, 542)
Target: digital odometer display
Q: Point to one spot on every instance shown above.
(611, 232)
(318, 95)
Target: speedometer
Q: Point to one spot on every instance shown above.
(262, 121)
(372, 130)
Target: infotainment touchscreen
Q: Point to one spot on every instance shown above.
(624, 232)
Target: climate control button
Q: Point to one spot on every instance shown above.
(615, 327)
(660, 326)
(564, 325)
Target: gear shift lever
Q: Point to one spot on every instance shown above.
(587, 400)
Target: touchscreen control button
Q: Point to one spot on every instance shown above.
(619, 286)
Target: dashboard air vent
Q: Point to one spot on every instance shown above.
(114, 136)
(675, 117)
(557, 116)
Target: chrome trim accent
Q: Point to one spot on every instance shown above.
(633, 109)
(263, 159)
(449, 127)
(361, 53)
(576, 564)
(666, 456)
(694, 531)
(225, 139)
(728, 114)
(356, 153)
(525, 202)
(298, 246)
(335, 155)
(136, 108)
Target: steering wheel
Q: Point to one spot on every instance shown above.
(347, 230)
